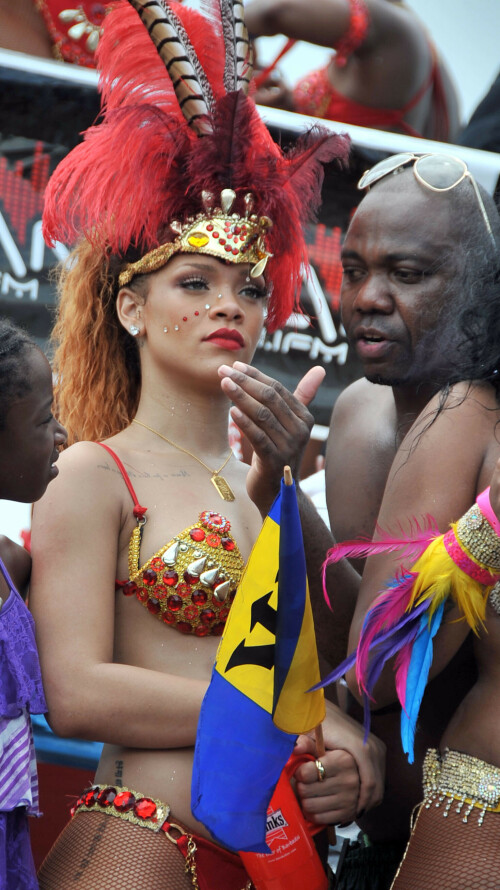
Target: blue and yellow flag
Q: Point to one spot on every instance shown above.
(257, 701)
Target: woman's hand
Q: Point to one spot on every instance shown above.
(354, 772)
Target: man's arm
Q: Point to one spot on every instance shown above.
(277, 425)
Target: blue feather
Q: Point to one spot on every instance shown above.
(418, 671)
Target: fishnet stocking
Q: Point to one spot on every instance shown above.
(448, 854)
(99, 852)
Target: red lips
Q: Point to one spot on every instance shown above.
(227, 338)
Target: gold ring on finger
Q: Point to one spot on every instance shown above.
(321, 770)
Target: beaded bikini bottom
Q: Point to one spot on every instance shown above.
(154, 814)
(452, 776)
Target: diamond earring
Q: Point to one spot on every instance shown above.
(134, 330)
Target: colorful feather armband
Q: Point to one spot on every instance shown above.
(463, 564)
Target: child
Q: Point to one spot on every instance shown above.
(29, 440)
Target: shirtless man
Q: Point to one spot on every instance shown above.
(411, 257)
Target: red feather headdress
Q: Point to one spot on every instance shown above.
(181, 152)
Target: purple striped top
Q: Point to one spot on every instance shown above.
(21, 693)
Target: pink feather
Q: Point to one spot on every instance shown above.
(385, 611)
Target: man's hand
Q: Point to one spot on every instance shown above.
(276, 423)
(354, 772)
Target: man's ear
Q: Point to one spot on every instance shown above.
(129, 311)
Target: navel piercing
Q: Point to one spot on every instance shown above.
(219, 296)
(134, 330)
(165, 330)
(207, 305)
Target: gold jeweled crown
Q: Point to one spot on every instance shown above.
(216, 232)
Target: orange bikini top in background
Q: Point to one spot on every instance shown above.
(190, 582)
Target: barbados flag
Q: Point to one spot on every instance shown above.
(257, 702)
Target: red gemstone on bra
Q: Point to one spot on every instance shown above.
(153, 605)
(183, 589)
(174, 602)
(171, 578)
(224, 613)
(125, 800)
(157, 564)
(199, 597)
(149, 577)
(207, 616)
(168, 617)
(130, 588)
(145, 808)
(161, 591)
(184, 627)
(190, 612)
(228, 543)
(218, 628)
(232, 594)
(143, 595)
(190, 579)
(213, 540)
(197, 534)
(201, 631)
(106, 797)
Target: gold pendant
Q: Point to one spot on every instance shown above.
(223, 487)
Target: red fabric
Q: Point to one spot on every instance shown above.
(218, 869)
(89, 14)
(354, 36)
(138, 511)
(314, 95)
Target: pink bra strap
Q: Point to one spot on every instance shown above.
(138, 510)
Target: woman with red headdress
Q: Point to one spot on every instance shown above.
(187, 220)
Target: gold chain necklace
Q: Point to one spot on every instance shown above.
(220, 484)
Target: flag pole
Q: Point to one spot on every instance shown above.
(318, 732)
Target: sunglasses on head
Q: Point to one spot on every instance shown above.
(439, 173)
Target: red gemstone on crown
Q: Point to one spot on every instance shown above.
(228, 543)
(125, 800)
(197, 534)
(145, 808)
(170, 578)
(149, 577)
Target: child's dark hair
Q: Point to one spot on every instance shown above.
(14, 378)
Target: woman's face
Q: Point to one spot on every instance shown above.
(202, 311)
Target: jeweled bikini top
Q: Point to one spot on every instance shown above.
(191, 582)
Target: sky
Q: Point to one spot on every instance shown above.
(466, 35)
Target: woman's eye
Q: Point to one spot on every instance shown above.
(255, 292)
(194, 283)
